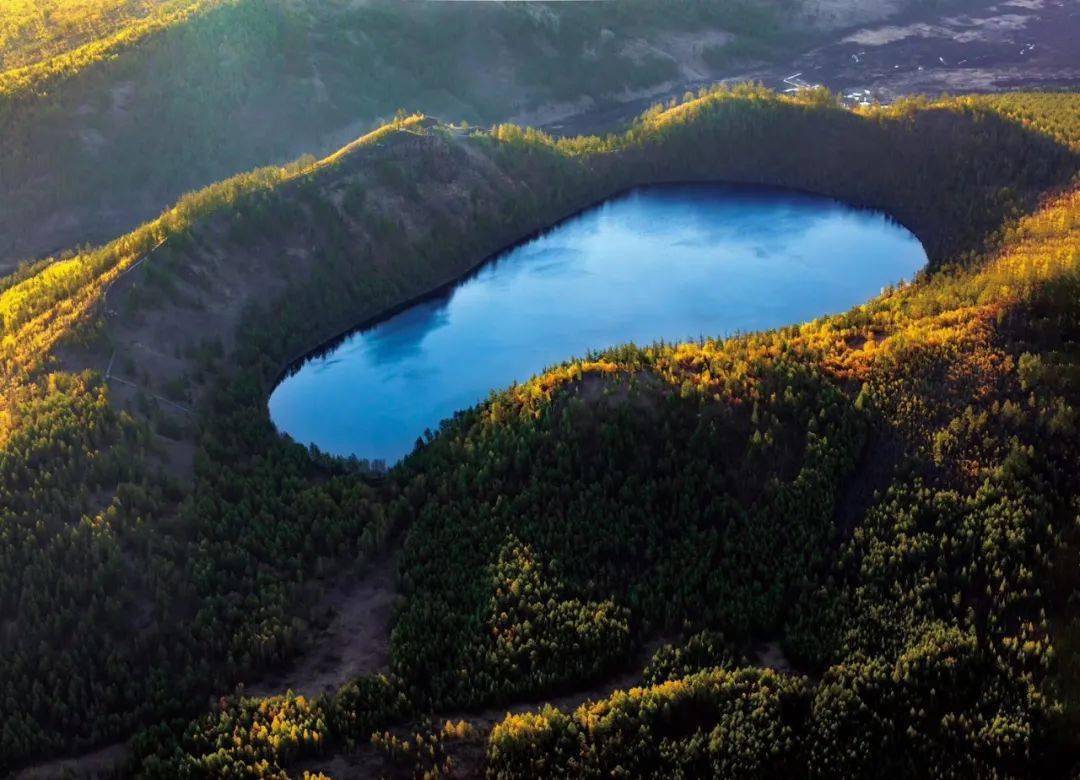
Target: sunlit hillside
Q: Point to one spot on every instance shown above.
(32, 31)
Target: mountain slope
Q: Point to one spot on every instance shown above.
(34, 31)
(161, 542)
(114, 132)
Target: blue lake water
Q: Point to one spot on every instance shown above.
(672, 262)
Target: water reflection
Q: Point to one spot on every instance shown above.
(670, 262)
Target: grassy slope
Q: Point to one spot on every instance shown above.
(44, 42)
(254, 83)
(31, 32)
(347, 239)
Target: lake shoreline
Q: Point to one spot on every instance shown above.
(751, 258)
(291, 366)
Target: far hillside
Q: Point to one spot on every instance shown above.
(32, 31)
(111, 109)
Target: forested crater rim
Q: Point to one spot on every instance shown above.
(748, 213)
(294, 364)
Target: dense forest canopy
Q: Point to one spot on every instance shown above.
(888, 495)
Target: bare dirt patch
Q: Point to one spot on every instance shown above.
(355, 643)
(687, 50)
(102, 763)
(771, 656)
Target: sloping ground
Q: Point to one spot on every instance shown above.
(154, 585)
(168, 313)
(103, 763)
(940, 358)
(32, 31)
(355, 642)
(995, 48)
(192, 293)
(128, 123)
(44, 43)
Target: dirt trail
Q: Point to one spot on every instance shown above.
(102, 763)
(356, 642)
(469, 756)
(769, 656)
